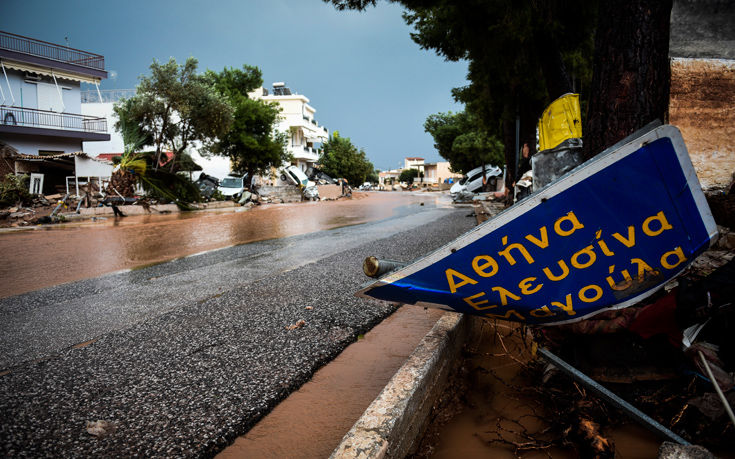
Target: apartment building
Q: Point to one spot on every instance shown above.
(40, 102)
(305, 134)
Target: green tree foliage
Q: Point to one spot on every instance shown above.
(14, 190)
(520, 55)
(407, 175)
(340, 158)
(173, 107)
(458, 140)
(252, 143)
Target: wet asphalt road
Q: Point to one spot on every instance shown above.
(189, 354)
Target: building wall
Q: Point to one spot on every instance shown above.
(26, 93)
(443, 171)
(31, 145)
(115, 144)
(298, 129)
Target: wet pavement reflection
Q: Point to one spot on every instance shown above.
(55, 254)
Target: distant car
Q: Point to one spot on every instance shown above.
(232, 186)
(472, 181)
(367, 186)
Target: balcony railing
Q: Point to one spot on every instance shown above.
(30, 117)
(108, 95)
(51, 51)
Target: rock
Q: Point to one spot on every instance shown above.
(246, 195)
(670, 450)
(298, 324)
(100, 428)
(4, 214)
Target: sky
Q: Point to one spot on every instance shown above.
(361, 71)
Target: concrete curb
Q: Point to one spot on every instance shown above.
(393, 423)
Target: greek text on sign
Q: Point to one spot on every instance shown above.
(607, 235)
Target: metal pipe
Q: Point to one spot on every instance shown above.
(59, 204)
(717, 387)
(7, 82)
(610, 397)
(58, 90)
(373, 267)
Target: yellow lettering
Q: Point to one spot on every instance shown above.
(504, 295)
(680, 258)
(509, 256)
(591, 257)
(624, 284)
(571, 218)
(480, 267)
(526, 288)
(583, 296)
(564, 272)
(661, 219)
(543, 242)
(476, 304)
(543, 311)
(643, 268)
(451, 274)
(566, 306)
(630, 241)
(605, 250)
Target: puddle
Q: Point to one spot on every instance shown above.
(497, 415)
(311, 422)
(63, 253)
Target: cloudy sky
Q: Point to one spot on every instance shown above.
(361, 71)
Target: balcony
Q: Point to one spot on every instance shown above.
(21, 120)
(46, 50)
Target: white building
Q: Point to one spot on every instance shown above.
(100, 104)
(305, 135)
(414, 163)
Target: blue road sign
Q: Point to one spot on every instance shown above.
(605, 236)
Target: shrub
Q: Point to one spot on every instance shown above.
(14, 190)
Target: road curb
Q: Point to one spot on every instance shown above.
(394, 422)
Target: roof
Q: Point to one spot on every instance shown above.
(416, 157)
(56, 156)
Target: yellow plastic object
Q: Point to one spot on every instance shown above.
(560, 121)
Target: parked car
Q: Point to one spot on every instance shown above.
(232, 186)
(367, 186)
(472, 180)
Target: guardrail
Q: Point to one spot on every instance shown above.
(51, 51)
(29, 117)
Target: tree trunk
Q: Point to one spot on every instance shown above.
(552, 66)
(631, 76)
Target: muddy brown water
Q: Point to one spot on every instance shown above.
(496, 415)
(311, 422)
(52, 254)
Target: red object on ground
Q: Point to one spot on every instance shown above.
(658, 318)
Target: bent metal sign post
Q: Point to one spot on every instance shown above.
(605, 236)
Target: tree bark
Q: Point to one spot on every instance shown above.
(631, 76)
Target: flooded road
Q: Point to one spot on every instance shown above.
(54, 254)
